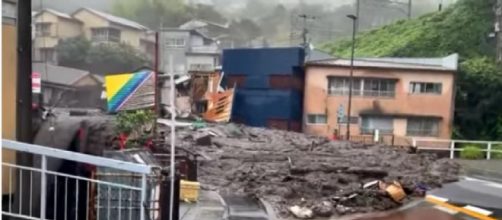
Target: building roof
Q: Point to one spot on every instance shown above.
(199, 23)
(448, 63)
(114, 19)
(315, 54)
(59, 74)
(54, 12)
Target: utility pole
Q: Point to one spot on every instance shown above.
(358, 11)
(354, 25)
(305, 31)
(24, 69)
(498, 29)
(24, 132)
(409, 8)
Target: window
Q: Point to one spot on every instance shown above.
(316, 119)
(362, 86)
(425, 88)
(43, 29)
(353, 120)
(175, 42)
(379, 87)
(422, 127)
(105, 34)
(385, 125)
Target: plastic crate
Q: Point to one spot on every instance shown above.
(189, 191)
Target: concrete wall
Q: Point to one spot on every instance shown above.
(178, 54)
(129, 36)
(68, 28)
(201, 59)
(9, 82)
(317, 100)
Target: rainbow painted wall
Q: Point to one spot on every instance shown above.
(130, 91)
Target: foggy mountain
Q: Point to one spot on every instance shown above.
(276, 22)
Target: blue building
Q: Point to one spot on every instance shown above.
(269, 85)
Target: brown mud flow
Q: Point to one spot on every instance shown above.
(292, 169)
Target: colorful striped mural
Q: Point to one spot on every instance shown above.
(130, 91)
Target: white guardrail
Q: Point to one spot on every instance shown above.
(451, 145)
(82, 197)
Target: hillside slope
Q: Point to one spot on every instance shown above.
(463, 28)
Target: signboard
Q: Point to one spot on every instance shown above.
(36, 82)
(130, 91)
(340, 112)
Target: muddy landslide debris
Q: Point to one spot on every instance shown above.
(289, 169)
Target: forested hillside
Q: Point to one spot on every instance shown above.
(463, 28)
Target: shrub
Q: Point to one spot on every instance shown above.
(471, 153)
(496, 155)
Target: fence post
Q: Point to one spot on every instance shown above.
(143, 196)
(43, 190)
(489, 151)
(452, 149)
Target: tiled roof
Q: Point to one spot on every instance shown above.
(54, 12)
(115, 19)
(59, 74)
(442, 63)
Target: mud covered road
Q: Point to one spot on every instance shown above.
(327, 177)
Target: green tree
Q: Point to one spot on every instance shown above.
(153, 13)
(72, 52)
(206, 12)
(114, 58)
(464, 29)
(101, 58)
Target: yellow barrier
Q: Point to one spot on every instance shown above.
(189, 191)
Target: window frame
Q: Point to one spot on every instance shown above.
(366, 130)
(43, 29)
(105, 34)
(339, 86)
(175, 42)
(422, 131)
(316, 123)
(422, 88)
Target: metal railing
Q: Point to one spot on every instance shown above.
(44, 191)
(453, 146)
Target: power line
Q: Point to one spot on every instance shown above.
(305, 17)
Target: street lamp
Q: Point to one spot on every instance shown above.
(354, 23)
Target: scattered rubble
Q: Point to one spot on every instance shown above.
(296, 172)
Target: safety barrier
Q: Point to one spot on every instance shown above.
(44, 192)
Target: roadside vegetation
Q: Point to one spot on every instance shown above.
(465, 29)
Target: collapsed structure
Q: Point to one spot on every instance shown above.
(289, 169)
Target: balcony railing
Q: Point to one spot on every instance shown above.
(45, 193)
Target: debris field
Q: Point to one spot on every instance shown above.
(294, 171)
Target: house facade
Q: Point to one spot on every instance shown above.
(50, 27)
(103, 27)
(69, 87)
(402, 97)
(190, 51)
